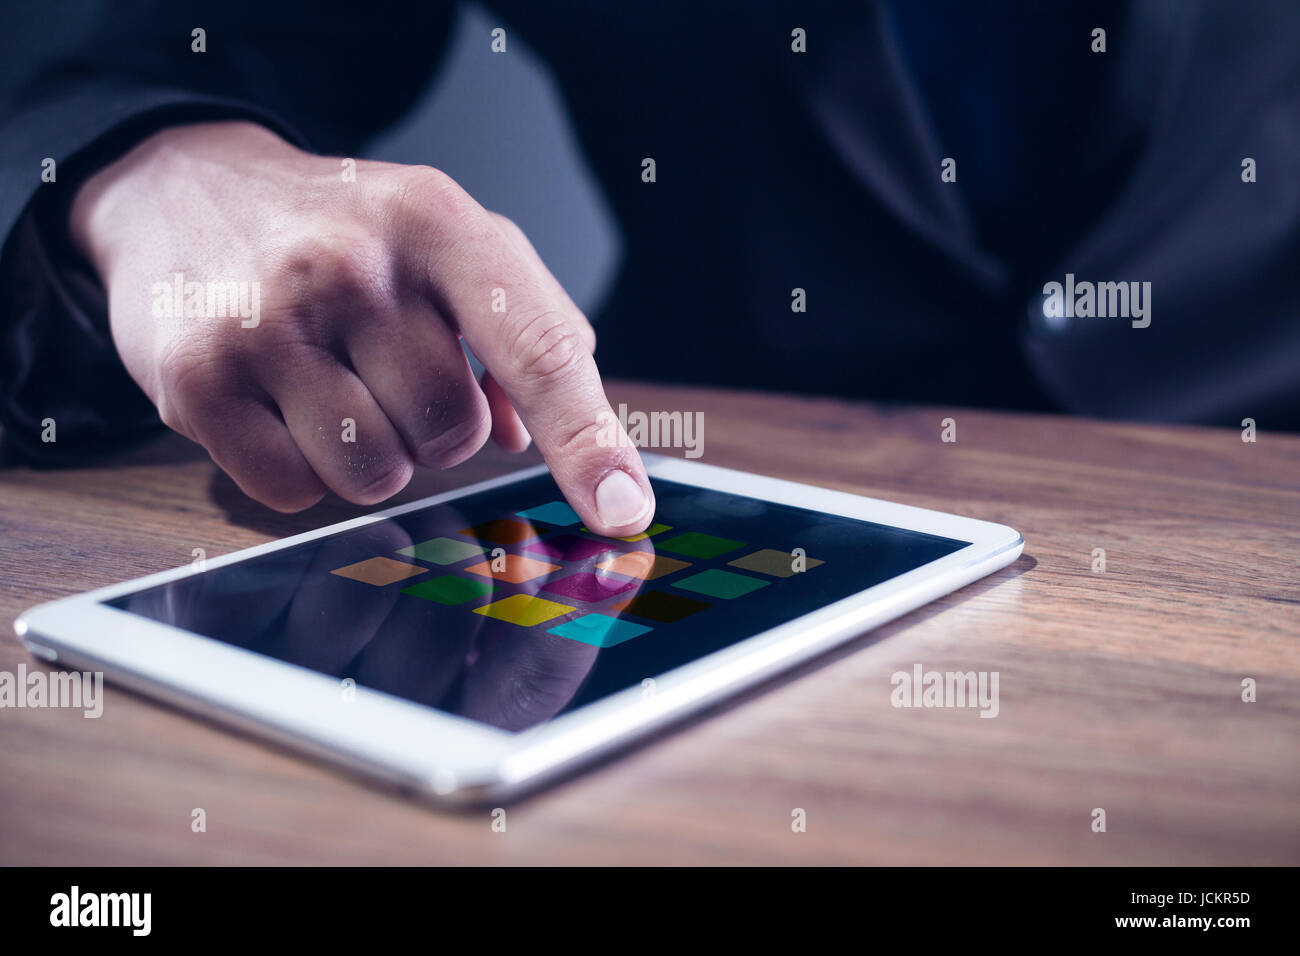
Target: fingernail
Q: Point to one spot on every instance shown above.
(619, 499)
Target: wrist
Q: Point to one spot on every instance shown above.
(109, 204)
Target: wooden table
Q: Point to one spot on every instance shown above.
(1120, 690)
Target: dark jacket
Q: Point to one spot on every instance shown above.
(776, 170)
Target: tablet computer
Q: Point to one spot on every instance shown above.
(475, 644)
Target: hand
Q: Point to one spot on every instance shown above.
(355, 294)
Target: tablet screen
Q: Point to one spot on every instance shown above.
(501, 607)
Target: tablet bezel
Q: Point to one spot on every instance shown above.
(452, 758)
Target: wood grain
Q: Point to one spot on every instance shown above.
(1119, 690)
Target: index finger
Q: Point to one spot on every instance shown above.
(530, 336)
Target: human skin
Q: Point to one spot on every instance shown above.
(367, 286)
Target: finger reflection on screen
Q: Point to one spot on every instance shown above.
(523, 676)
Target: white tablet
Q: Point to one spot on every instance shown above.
(475, 644)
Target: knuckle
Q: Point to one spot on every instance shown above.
(574, 437)
(509, 227)
(204, 388)
(177, 367)
(297, 345)
(424, 191)
(419, 182)
(331, 266)
(188, 376)
(545, 344)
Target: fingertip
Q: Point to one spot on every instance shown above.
(623, 505)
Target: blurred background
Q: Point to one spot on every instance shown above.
(498, 126)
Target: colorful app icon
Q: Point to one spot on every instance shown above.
(720, 584)
(778, 564)
(553, 512)
(442, 551)
(379, 571)
(642, 564)
(449, 589)
(524, 610)
(568, 547)
(660, 606)
(587, 587)
(501, 531)
(696, 544)
(649, 532)
(599, 630)
(512, 568)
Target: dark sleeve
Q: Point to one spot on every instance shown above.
(1217, 243)
(82, 82)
